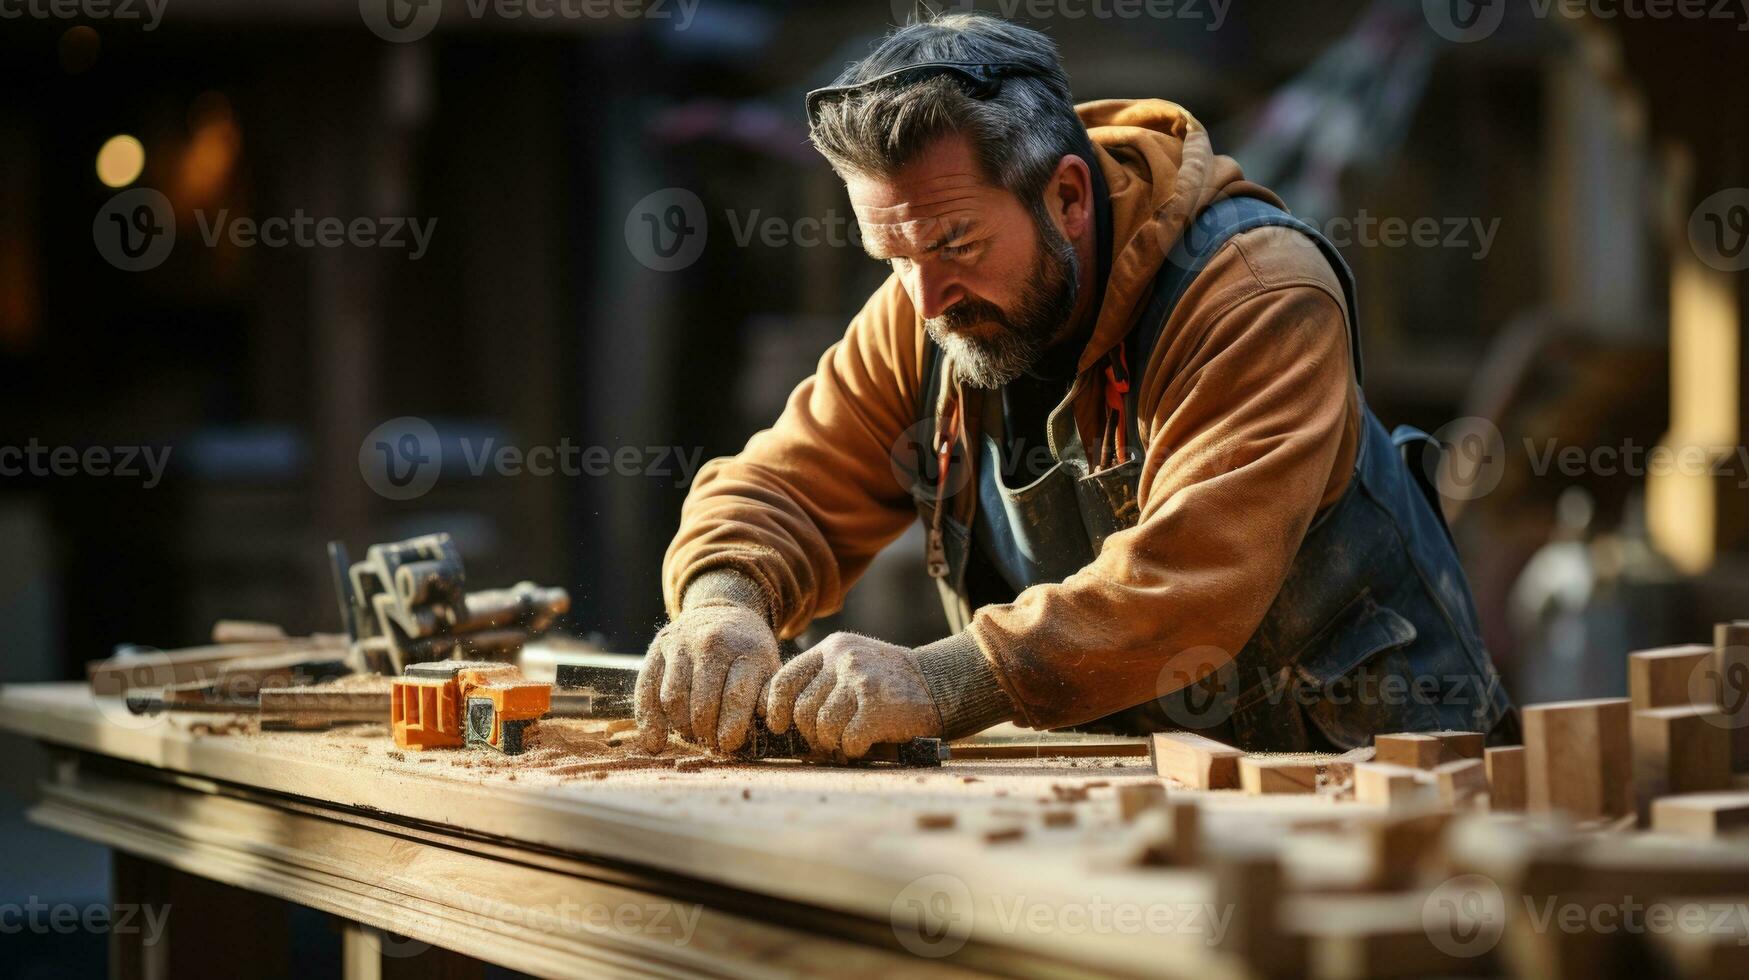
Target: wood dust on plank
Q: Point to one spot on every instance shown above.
(559, 750)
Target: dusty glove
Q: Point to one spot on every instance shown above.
(704, 672)
(850, 692)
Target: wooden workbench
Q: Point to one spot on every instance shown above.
(780, 868)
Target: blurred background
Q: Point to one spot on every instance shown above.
(597, 229)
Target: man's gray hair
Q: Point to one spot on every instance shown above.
(1018, 135)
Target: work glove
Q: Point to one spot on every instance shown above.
(705, 670)
(850, 692)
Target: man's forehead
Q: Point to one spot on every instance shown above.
(943, 184)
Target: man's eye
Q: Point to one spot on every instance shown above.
(956, 251)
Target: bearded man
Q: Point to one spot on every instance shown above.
(1120, 386)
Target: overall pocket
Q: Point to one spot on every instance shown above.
(1355, 680)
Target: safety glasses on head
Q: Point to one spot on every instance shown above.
(980, 80)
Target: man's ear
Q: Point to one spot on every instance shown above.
(1069, 196)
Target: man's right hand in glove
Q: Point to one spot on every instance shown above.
(706, 669)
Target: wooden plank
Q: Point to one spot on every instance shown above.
(1661, 678)
(1730, 683)
(693, 828)
(534, 920)
(1416, 750)
(1505, 766)
(1260, 775)
(1684, 749)
(156, 668)
(1391, 786)
(1461, 783)
(1195, 761)
(1424, 750)
(1461, 745)
(1703, 814)
(1134, 798)
(1578, 758)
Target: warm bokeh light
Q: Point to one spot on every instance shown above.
(79, 49)
(120, 161)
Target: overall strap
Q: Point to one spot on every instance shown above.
(1219, 222)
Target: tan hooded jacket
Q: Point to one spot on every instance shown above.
(1248, 413)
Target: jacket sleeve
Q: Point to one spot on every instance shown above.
(1243, 411)
(808, 503)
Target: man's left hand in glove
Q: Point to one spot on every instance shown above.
(850, 692)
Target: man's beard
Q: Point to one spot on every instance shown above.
(1040, 318)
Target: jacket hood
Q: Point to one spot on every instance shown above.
(1160, 171)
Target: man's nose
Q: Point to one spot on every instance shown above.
(933, 291)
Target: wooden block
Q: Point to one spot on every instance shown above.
(1134, 798)
(1505, 765)
(1186, 841)
(1684, 749)
(1703, 814)
(1461, 783)
(1195, 761)
(1424, 750)
(1402, 845)
(1417, 750)
(1260, 775)
(1578, 758)
(1661, 678)
(1730, 685)
(1461, 745)
(1391, 786)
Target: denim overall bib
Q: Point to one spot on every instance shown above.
(1374, 629)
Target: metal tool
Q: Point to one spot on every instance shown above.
(407, 602)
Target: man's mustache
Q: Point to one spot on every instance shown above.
(969, 313)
